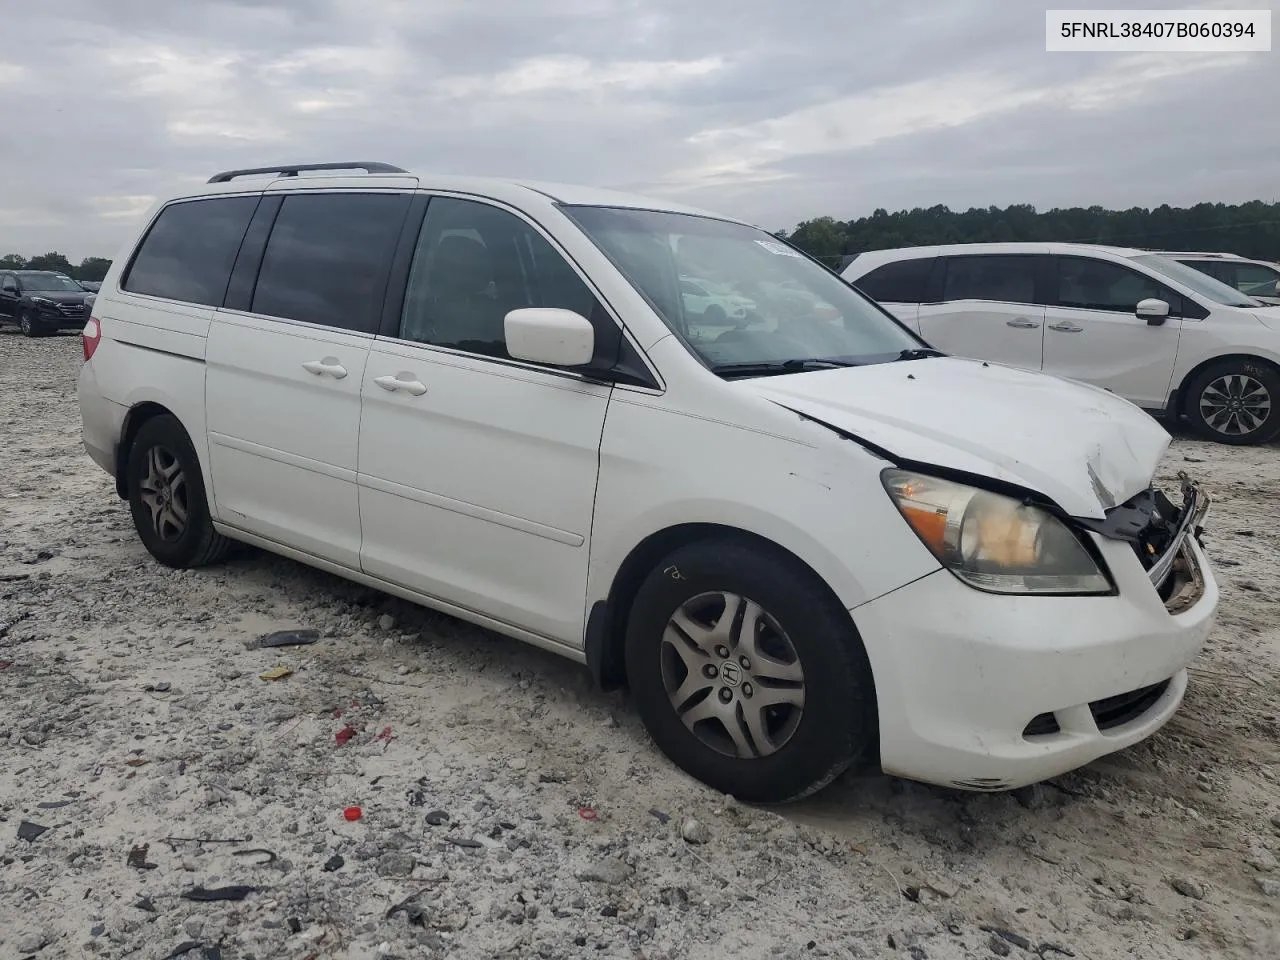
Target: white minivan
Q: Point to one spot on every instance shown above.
(1157, 332)
(802, 541)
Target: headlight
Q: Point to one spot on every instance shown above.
(42, 302)
(993, 542)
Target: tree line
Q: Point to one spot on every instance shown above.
(1249, 229)
(90, 268)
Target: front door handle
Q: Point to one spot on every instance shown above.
(1065, 327)
(1022, 323)
(403, 382)
(328, 367)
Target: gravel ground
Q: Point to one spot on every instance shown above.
(510, 810)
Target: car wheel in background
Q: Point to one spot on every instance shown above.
(167, 498)
(748, 673)
(1236, 402)
(30, 324)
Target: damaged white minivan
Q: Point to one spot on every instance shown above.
(801, 538)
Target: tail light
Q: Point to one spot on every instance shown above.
(91, 336)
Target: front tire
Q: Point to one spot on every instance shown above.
(167, 497)
(30, 324)
(1235, 402)
(748, 673)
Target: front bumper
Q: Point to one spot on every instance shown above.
(984, 692)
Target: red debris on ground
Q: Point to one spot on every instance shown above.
(344, 735)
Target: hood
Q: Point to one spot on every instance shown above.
(1084, 448)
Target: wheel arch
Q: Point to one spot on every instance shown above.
(138, 414)
(607, 618)
(1178, 402)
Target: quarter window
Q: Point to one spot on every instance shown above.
(1102, 285)
(189, 251)
(473, 265)
(999, 278)
(327, 259)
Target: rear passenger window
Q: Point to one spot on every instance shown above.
(1102, 285)
(900, 282)
(473, 265)
(189, 251)
(1003, 279)
(328, 256)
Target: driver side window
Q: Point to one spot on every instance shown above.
(473, 265)
(1101, 285)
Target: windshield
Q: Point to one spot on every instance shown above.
(736, 295)
(1201, 283)
(50, 282)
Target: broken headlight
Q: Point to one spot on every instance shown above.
(993, 542)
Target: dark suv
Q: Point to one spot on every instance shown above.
(42, 301)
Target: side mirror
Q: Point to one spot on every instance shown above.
(549, 335)
(1154, 311)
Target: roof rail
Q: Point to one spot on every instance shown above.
(293, 169)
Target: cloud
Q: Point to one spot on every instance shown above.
(771, 111)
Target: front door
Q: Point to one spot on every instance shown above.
(283, 372)
(477, 472)
(1093, 333)
(990, 308)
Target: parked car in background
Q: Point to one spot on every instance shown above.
(1254, 278)
(42, 301)
(1163, 335)
(803, 542)
(712, 305)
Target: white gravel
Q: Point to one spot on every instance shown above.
(511, 809)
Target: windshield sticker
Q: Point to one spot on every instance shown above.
(781, 250)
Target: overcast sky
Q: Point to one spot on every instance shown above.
(771, 110)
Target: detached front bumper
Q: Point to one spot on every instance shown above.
(985, 692)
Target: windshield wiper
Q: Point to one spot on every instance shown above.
(919, 353)
(778, 367)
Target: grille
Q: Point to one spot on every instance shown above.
(71, 309)
(1108, 713)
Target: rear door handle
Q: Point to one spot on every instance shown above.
(1022, 323)
(1065, 327)
(402, 382)
(328, 367)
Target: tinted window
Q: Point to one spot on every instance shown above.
(1101, 285)
(1004, 279)
(188, 252)
(473, 265)
(327, 259)
(1256, 280)
(1213, 268)
(900, 282)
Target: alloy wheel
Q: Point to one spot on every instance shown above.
(1235, 404)
(732, 675)
(164, 491)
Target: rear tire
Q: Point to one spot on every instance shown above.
(791, 647)
(1236, 402)
(167, 497)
